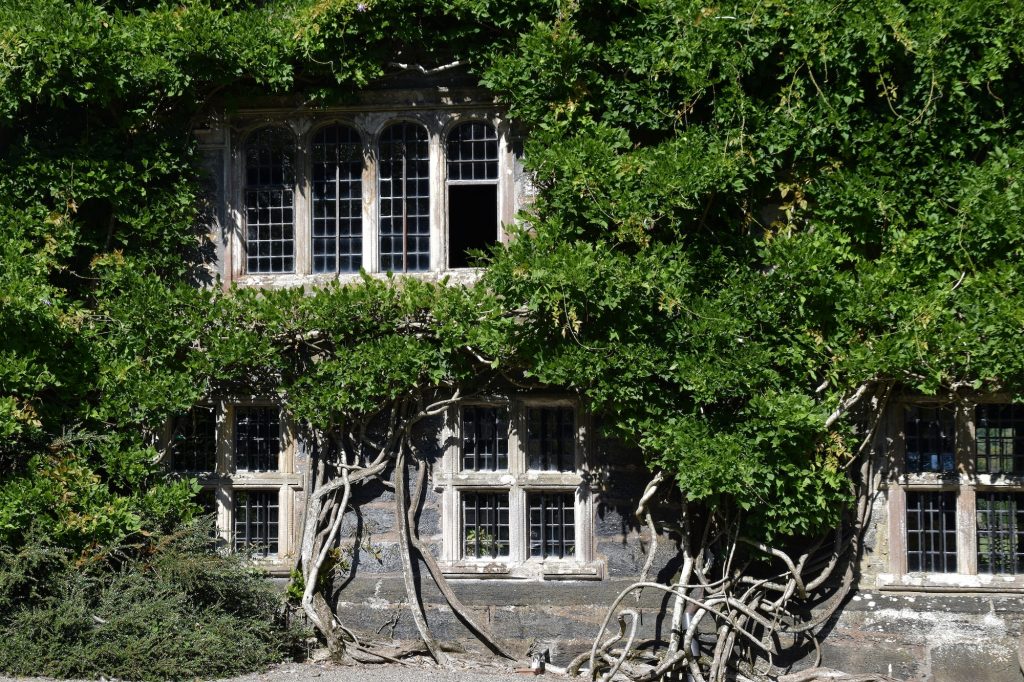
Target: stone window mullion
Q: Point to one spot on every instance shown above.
(966, 453)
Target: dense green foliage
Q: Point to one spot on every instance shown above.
(744, 213)
(180, 610)
(747, 211)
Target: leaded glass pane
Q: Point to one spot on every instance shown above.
(256, 521)
(194, 440)
(337, 206)
(472, 152)
(1000, 532)
(999, 430)
(257, 438)
(931, 532)
(404, 189)
(269, 202)
(484, 438)
(552, 525)
(485, 532)
(929, 439)
(551, 438)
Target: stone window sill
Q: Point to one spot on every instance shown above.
(476, 569)
(533, 569)
(950, 582)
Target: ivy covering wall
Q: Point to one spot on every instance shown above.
(746, 211)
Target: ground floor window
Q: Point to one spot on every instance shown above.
(256, 521)
(956, 500)
(931, 532)
(515, 493)
(552, 525)
(1000, 532)
(485, 522)
(242, 454)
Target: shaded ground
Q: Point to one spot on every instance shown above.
(413, 672)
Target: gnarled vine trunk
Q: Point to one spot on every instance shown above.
(737, 604)
(356, 455)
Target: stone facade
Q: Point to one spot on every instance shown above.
(928, 631)
(562, 615)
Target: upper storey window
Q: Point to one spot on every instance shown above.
(404, 172)
(337, 204)
(929, 439)
(270, 201)
(403, 192)
(1000, 433)
(472, 153)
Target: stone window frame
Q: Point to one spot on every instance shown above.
(369, 123)
(519, 482)
(964, 482)
(227, 479)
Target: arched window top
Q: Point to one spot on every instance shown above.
(337, 143)
(337, 204)
(270, 157)
(472, 152)
(403, 139)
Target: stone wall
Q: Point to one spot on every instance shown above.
(909, 635)
(564, 615)
(928, 637)
(884, 627)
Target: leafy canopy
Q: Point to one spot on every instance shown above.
(743, 213)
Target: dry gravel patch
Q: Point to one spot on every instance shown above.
(412, 672)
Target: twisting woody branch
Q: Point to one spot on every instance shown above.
(755, 602)
(333, 473)
(741, 230)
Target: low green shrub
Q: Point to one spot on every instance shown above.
(174, 609)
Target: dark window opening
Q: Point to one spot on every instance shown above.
(551, 438)
(194, 440)
(472, 221)
(207, 500)
(472, 152)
